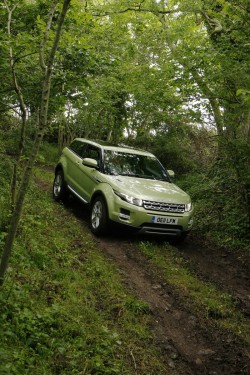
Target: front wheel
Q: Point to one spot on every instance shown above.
(60, 191)
(99, 216)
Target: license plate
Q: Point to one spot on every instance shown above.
(164, 220)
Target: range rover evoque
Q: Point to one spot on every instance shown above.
(123, 185)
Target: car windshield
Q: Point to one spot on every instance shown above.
(134, 165)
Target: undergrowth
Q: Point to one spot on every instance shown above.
(220, 214)
(63, 309)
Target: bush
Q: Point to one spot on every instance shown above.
(219, 213)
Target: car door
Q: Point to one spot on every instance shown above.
(73, 160)
(84, 177)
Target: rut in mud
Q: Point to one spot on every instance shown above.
(177, 331)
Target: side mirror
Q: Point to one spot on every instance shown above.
(88, 162)
(171, 173)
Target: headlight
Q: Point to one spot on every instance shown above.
(188, 207)
(129, 199)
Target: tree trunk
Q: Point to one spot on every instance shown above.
(18, 90)
(37, 142)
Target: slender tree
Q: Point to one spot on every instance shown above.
(22, 106)
(47, 66)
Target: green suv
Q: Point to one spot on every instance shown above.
(123, 185)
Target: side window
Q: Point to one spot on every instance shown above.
(84, 150)
(78, 148)
(92, 152)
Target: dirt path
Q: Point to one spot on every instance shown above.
(177, 331)
(229, 270)
(182, 337)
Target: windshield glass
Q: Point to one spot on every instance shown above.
(134, 165)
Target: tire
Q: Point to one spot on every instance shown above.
(99, 216)
(60, 190)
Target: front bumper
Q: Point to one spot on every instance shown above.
(175, 224)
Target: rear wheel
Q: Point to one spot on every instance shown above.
(60, 190)
(99, 216)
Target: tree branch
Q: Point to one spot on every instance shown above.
(9, 107)
(131, 9)
(214, 24)
(24, 56)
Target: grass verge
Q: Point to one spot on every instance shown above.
(63, 309)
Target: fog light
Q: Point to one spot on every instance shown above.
(124, 214)
(190, 223)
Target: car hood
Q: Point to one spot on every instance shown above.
(146, 189)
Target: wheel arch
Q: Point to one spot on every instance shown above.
(98, 193)
(58, 168)
(107, 193)
(103, 222)
(60, 189)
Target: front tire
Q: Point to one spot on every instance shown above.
(99, 216)
(60, 190)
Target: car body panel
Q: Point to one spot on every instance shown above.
(149, 205)
(149, 189)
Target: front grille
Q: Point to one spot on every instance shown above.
(164, 207)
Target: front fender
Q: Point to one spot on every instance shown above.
(106, 191)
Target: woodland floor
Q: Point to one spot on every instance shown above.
(179, 333)
(182, 336)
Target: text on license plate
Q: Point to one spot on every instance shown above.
(164, 220)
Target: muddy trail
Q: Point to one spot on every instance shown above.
(184, 339)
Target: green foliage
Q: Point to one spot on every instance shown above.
(137, 307)
(5, 175)
(220, 213)
(49, 154)
(154, 79)
(63, 309)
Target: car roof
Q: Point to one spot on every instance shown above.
(108, 146)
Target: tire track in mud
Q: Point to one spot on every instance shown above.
(178, 332)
